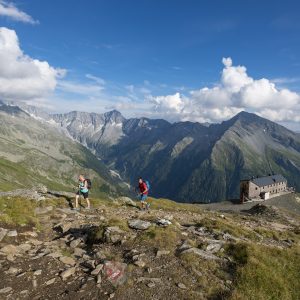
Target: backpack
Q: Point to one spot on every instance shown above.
(147, 184)
(89, 183)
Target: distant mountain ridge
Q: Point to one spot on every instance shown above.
(186, 161)
(33, 153)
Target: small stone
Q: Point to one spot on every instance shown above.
(169, 217)
(97, 270)
(114, 234)
(12, 271)
(139, 224)
(203, 254)
(9, 249)
(35, 242)
(99, 279)
(3, 233)
(51, 281)
(67, 260)
(34, 283)
(30, 233)
(10, 258)
(181, 286)
(24, 292)
(112, 295)
(21, 274)
(63, 227)
(151, 285)
(24, 247)
(75, 243)
(12, 233)
(138, 256)
(5, 290)
(163, 222)
(149, 270)
(139, 263)
(160, 253)
(78, 252)
(37, 272)
(67, 273)
(213, 248)
(55, 254)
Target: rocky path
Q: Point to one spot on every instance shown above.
(117, 251)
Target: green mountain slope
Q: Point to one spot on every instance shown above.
(251, 146)
(32, 152)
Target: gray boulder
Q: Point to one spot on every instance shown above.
(126, 201)
(114, 234)
(3, 233)
(139, 224)
(203, 254)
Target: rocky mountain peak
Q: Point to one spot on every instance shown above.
(114, 116)
(12, 110)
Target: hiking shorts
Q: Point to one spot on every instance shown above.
(85, 195)
(143, 197)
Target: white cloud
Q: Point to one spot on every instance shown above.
(96, 79)
(9, 10)
(283, 80)
(168, 104)
(79, 88)
(235, 92)
(22, 77)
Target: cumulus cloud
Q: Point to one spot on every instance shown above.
(9, 10)
(169, 104)
(22, 77)
(235, 92)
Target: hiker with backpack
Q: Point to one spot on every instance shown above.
(144, 187)
(83, 190)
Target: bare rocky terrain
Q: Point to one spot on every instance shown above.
(173, 251)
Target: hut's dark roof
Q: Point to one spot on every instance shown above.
(268, 180)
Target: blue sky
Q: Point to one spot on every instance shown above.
(156, 57)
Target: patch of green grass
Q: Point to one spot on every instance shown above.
(18, 211)
(227, 226)
(121, 223)
(209, 274)
(166, 204)
(160, 237)
(239, 252)
(265, 272)
(66, 252)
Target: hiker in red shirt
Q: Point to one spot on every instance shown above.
(144, 190)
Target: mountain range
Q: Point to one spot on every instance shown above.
(184, 161)
(34, 152)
